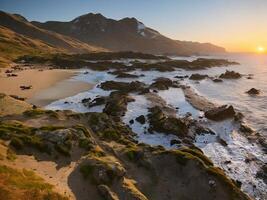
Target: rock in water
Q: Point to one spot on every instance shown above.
(230, 75)
(253, 91)
(141, 119)
(198, 76)
(220, 113)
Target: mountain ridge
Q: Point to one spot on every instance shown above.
(126, 34)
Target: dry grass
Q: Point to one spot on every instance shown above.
(24, 184)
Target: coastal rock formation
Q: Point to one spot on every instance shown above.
(220, 113)
(117, 104)
(134, 86)
(198, 76)
(163, 84)
(104, 161)
(253, 91)
(230, 75)
(162, 123)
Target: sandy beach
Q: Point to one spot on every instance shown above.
(47, 85)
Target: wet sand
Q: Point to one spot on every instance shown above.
(47, 85)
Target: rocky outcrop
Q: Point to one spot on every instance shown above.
(141, 119)
(253, 91)
(163, 84)
(116, 105)
(160, 122)
(230, 75)
(122, 74)
(114, 166)
(95, 102)
(220, 113)
(134, 86)
(198, 77)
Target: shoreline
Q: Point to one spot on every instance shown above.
(48, 85)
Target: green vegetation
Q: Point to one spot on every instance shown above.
(38, 112)
(86, 144)
(198, 154)
(133, 154)
(110, 134)
(25, 185)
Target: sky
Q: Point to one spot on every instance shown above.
(237, 25)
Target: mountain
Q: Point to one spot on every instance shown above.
(127, 34)
(20, 37)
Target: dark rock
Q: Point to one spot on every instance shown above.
(18, 98)
(96, 102)
(162, 123)
(144, 91)
(203, 130)
(173, 142)
(262, 173)
(227, 162)
(220, 113)
(22, 87)
(134, 86)
(238, 183)
(198, 77)
(141, 119)
(245, 129)
(117, 104)
(181, 77)
(161, 83)
(230, 75)
(131, 121)
(86, 100)
(253, 91)
(121, 74)
(217, 80)
(222, 142)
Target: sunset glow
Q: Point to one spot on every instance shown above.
(260, 49)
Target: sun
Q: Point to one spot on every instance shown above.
(260, 49)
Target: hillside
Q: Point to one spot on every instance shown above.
(127, 34)
(91, 156)
(19, 37)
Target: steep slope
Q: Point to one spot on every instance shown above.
(19, 37)
(127, 34)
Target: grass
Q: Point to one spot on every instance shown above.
(110, 134)
(22, 136)
(38, 112)
(25, 184)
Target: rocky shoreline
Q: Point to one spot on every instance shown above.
(109, 138)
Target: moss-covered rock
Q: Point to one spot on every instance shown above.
(162, 123)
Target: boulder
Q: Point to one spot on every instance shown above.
(161, 83)
(220, 113)
(117, 104)
(198, 77)
(160, 122)
(141, 119)
(253, 91)
(230, 75)
(96, 102)
(133, 86)
(173, 142)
